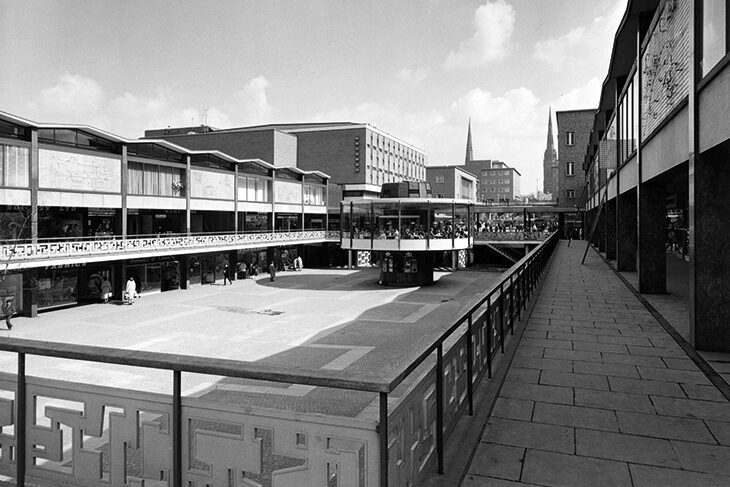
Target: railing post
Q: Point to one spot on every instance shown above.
(520, 297)
(440, 408)
(469, 391)
(383, 432)
(20, 420)
(177, 480)
(489, 336)
(511, 305)
(501, 316)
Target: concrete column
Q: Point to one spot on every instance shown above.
(30, 303)
(124, 190)
(601, 229)
(232, 264)
(709, 258)
(454, 260)
(652, 260)
(610, 232)
(184, 263)
(626, 232)
(33, 188)
(349, 259)
(188, 186)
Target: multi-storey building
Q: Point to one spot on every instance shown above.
(497, 182)
(573, 129)
(452, 182)
(550, 162)
(79, 206)
(357, 156)
(657, 159)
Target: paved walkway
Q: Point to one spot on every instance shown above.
(599, 394)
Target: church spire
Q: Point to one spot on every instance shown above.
(550, 142)
(550, 160)
(469, 153)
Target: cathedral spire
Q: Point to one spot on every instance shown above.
(469, 153)
(550, 160)
(550, 140)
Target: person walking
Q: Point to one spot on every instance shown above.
(131, 290)
(226, 275)
(8, 309)
(272, 271)
(106, 290)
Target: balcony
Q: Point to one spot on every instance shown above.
(21, 255)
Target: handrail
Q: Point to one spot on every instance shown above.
(189, 363)
(460, 321)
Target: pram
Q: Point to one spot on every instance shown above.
(126, 299)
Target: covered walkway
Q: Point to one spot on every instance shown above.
(598, 393)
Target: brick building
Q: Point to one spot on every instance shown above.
(574, 127)
(357, 156)
(452, 182)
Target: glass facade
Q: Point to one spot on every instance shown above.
(155, 180)
(254, 189)
(14, 166)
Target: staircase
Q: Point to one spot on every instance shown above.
(507, 252)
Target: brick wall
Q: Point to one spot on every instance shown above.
(580, 122)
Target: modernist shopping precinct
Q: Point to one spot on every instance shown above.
(79, 206)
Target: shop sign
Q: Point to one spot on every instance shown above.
(101, 212)
(65, 266)
(149, 260)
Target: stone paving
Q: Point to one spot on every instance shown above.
(599, 394)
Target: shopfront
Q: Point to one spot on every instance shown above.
(154, 274)
(207, 268)
(155, 222)
(56, 286)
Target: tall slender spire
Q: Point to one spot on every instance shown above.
(550, 142)
(550, 160)
(469, 153)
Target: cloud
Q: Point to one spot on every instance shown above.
(577, 48)
(254, 107)
(585, 96)
(494, 23)
(412, 76)
(73, 96)
(79, 99)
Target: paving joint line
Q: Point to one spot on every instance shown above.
(712, 375)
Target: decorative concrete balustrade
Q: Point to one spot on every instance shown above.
(24, 255)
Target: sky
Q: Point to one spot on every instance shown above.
(416, 69)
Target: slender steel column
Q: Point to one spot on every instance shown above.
(383, 437)
(177, 480)
(440, 409)
(20, 422)
(469, 391)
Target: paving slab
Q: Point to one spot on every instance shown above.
(625, 396)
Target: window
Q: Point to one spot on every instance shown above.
(154, 180)
(570, 168)
(439, 179)
(14, 166)
(570, 193)
(714, 33)
(569, 138)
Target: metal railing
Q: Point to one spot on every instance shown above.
(533, 236)
(485, 326)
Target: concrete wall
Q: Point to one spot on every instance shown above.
(714, 109)
(333, 152)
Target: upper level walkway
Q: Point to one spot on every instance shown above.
(598, 393)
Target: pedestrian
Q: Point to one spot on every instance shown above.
(272, 271)
(8, 309)
(226, 275)
(106, 290)
(131, 291)
(242, 270)
(300, 263)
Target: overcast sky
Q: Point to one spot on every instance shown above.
(417, 69)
